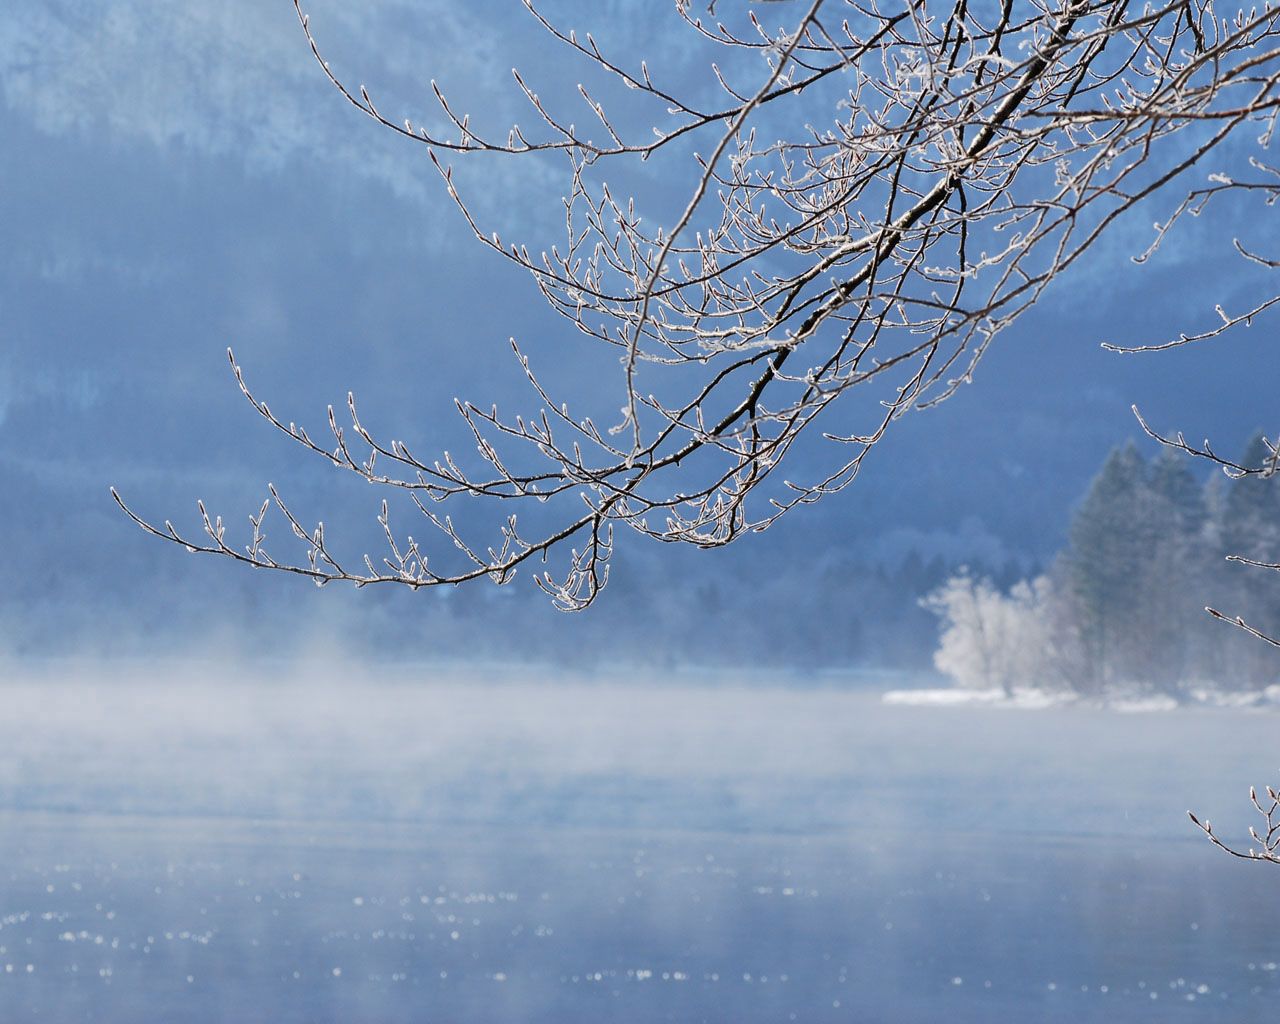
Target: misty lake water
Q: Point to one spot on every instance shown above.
(234, 849)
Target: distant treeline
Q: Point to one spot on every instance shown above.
(795, 609)
(1123, 607)
(785, 614)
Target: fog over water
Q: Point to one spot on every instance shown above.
(558, 839)
(224, 844)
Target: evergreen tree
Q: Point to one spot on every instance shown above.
(1250, 527)
(1112, 538)
(1183, 508)
(1172, 628)
(1251, 512)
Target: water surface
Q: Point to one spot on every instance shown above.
(236, 849)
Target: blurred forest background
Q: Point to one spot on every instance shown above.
(181, 180)
(1123, 607)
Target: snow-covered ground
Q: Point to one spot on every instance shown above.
(959, 696)
(1029, 698)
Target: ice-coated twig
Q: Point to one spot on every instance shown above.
(871, 195)
(1267, 840)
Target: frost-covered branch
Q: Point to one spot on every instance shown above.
(875, 194)
(1268, 839)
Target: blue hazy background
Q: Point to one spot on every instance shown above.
(181, 180)
(231, 797)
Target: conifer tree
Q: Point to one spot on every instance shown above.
(1250, 528)
(1183, 507)
(1251, 512)
(1173, 631)
(1111, 540)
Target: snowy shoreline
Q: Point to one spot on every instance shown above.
(1028, 699)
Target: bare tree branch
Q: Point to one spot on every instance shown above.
(877, 195)
(1268, 840)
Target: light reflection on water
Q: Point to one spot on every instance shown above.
(255, 853)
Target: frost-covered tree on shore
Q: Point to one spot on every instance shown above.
(991, 639)
(869, 196)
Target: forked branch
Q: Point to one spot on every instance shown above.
(875, 196)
